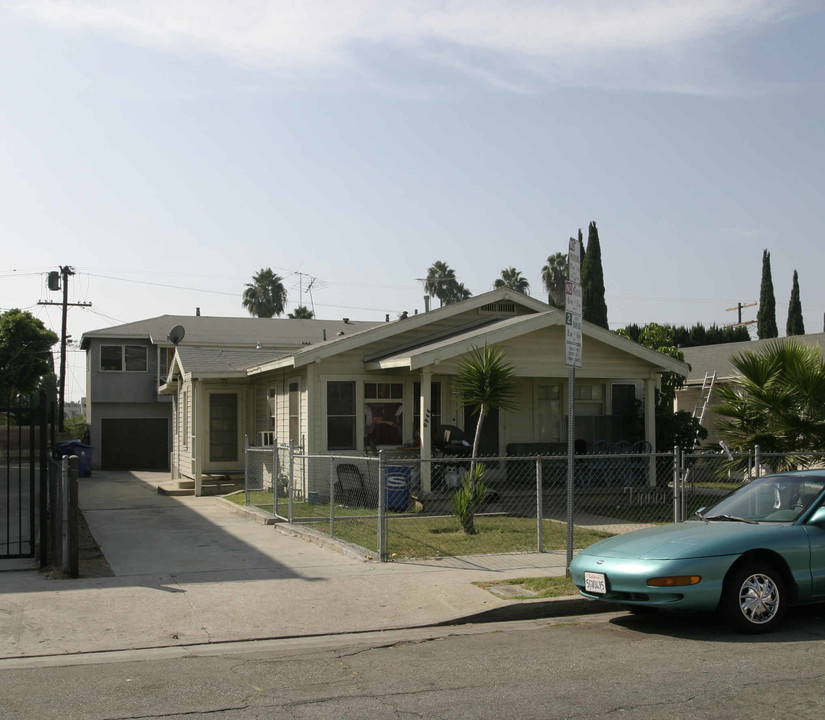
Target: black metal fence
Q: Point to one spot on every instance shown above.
(395, 507)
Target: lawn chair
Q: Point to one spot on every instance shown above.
(350, 488)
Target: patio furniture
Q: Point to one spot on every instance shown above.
(350, 488)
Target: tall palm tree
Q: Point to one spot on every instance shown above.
(440, 277)
(778, 402)
(554, 277)
(265, 296)
(513, 279)
(485, 381)
(302, 312)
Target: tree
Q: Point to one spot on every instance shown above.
(795, 324)
(513, 279)
(441, 282)
(265, 296)
(777, 400)
(594, 306)
(25, 354)
(766, 317)
(554, 277)
(485, 381)
(302, 312)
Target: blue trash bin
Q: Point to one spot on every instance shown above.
(398, 487)
(82, 451)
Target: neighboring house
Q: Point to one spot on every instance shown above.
(704, 361)
(130, 424)
(389, 386)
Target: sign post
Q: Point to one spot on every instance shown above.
(573, 359)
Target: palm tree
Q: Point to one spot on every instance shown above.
(485, 381)
(778, 402)
(513, 279)
(440, 277)
(554, 277)
(265, 296)
(302, 312)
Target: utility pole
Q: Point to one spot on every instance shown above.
(53, 284)
(739, 307)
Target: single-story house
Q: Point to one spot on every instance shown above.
(130, 423)
(389, 386)
(713, 362)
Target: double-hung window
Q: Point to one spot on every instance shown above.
(341, 415)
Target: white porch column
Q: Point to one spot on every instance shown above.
(650, 427)
(424, 429)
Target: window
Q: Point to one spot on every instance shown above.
(341, 415)
(549, 413)
(165, 357)
(295, 413)
(435, 407)
(589, 399)
(223, 427)
(272, 407)
(117, 358)
(383, 414)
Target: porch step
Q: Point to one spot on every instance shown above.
(210, 485)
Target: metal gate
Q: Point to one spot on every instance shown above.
(23, 461)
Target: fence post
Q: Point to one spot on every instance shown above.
(43, 500)
(539, 507)
(331, 496)
(291, 482)
(246, 470)
(70, 544)
(676, 478)
(757, 461)
(276, 472)
(382, 508)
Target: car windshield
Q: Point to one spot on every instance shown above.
(775, 498)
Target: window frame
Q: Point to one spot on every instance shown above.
(124, 358)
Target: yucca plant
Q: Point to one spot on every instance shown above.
(468, 498)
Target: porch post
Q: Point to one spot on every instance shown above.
(650, 427)
(424, 430)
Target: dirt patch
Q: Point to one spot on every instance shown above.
(90, 562)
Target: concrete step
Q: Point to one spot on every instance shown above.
(209, 486)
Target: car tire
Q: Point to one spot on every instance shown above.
(754, 598)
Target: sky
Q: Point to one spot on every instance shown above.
(169, 151)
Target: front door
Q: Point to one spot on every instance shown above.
(223, 428)
(488, 443)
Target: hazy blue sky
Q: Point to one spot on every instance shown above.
(168, 150)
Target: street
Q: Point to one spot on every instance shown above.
(604, 665)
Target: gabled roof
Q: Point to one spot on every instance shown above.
(399, 327)
(425, 354)
(705, 359)
(229, 331)
(205, 363)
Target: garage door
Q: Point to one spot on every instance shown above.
(134, 444)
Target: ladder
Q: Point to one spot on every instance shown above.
(704, 398)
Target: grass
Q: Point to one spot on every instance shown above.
(423, 536)
(540, 587)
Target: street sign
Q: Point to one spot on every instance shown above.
(573, 297)
(573, 355)
(573, 328)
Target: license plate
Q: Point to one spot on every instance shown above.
(595, 583)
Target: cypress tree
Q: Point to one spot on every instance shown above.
(795, 325)
(594, 306)
(766, 317)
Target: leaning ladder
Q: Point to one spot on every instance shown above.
(699, 414)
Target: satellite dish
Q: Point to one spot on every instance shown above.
(176, 334)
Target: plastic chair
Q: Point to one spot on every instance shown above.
(350, 487)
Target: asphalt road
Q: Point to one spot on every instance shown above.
(600, 666)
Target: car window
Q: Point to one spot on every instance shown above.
(775, 498)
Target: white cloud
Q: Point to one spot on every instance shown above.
(519, 44)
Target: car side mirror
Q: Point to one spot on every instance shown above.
(818, 516)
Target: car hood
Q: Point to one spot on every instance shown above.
(685, 540)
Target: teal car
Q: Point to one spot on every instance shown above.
(749, 557)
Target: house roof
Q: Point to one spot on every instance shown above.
(428, 353)
(209, 363)
(388, 330)
(229, 331)
(705, 359)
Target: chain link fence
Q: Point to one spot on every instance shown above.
(431, 509)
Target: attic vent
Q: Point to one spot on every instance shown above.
(503, 307)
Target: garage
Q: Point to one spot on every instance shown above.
(134, 444)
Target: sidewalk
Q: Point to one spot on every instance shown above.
(190, 570)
